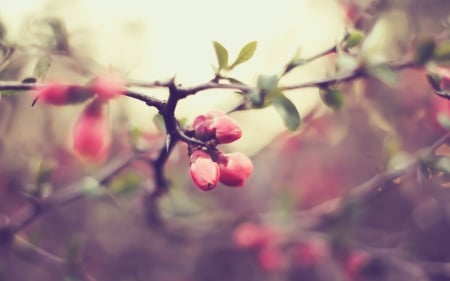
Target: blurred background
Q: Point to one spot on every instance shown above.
(297, 218)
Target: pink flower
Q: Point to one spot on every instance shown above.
(91, 132)
(310, 253)
(217, 125)
(355, 264)
(235, 168)
(62, 94)
(251, 235)
(204, 171)
(108, 86)
(226, 129)
(271, 258)
(53, 93)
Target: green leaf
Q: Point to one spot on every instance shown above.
(267, 86)
(256, 97)
(245, 54)
(443, 164)
(221, 54)
(42, 66)
(128, 183)
(267, 82)
(158, 120)
(353, 39)
(442, 52)
(424, 52)
(294, 63)
(91, 187)
(332, 98)
(444, 120)
(287, 111)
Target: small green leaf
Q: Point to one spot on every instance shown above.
(267, 82)
(353, 39)
(442, 52)
(294, 63)
(128, 183)
(8, 93)
(332, 98)
(245, 54)
(221, 54)
(287, 111)
(444, 120)
(91, 187)
(443, 164)
(158, 120)
(42, 66)
(424, 52)
(256, 97)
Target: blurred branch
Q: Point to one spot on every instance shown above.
(26, 245)
(373, 186)
(73, 192)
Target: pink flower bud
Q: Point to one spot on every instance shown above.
(53, 93)
(207, 117)
(216, 125)
(204, 171)
(91, 132)
(250, 235)
(108, 86)
(310, 253)
(270, 258)
(355, 264)
(235, 168)
(61, 94)
(226, 129)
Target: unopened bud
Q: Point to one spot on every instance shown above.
(204, 171)
(235, 168)
(91, 133)
(217, 125)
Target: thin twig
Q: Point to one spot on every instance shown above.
(74, 192)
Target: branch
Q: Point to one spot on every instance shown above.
(21, 242)
(373, 186)
(73, 192)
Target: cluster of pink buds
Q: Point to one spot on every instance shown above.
(91, 136)
(207, 168)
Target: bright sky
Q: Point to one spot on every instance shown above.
(155, 39)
